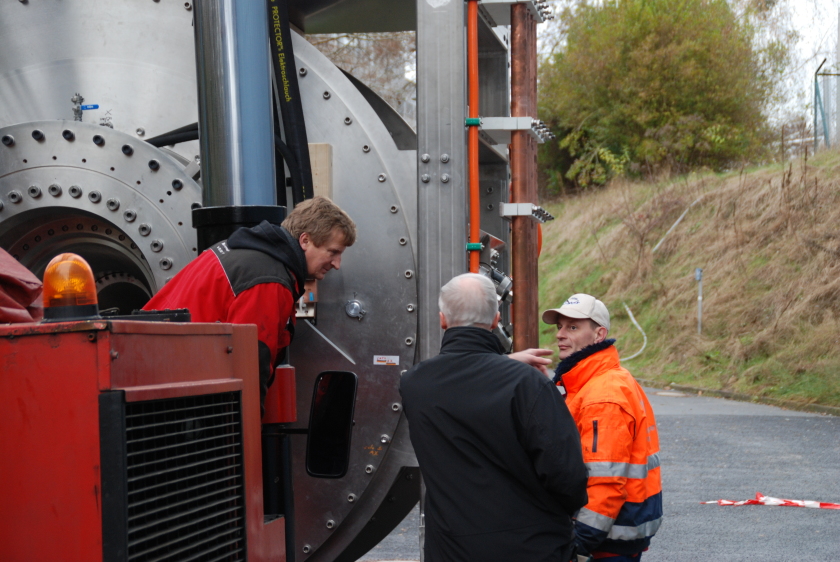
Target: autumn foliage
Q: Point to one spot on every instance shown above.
(642, 86)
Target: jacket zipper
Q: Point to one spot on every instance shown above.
(594, 436)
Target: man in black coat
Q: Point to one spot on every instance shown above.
(497, 447)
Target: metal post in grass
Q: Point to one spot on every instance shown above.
(698, 276)
(817, 104)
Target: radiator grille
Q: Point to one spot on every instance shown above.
(184, 479)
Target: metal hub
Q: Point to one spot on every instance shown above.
(119, 203)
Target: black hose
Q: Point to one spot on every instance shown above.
(291, 109)
(187, 132)
(174, 138)
(190, 132)
(183, 134)
(286, 155)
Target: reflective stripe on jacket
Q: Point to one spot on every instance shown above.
(621, 451)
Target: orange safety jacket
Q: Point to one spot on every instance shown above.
(620, 449)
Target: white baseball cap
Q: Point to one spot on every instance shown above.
(580, 306)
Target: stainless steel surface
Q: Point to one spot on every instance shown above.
(234, 103)
(133, 59)
(534, 212)
(112, 208)
(136, 228)
(499, 129)
(373, 273)
(354, 309)
(441, 114)
(137, 62)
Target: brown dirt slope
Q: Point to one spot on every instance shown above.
(768, 242)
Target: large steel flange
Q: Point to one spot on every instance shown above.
(122, 204)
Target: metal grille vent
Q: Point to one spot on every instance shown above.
(184, 476)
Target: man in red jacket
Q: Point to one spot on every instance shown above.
(256, 276)
(617, 432)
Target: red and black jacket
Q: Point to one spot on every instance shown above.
(253, 277)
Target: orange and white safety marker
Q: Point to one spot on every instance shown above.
(761, 499)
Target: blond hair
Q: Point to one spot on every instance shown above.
(318, 217)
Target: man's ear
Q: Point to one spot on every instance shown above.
(600, 334)
(496, 320)
(304, 240)
(443, 324)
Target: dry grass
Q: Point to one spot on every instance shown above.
(768, 241)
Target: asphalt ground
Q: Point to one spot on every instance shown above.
(713, 449)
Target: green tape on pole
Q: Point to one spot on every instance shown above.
(473, 246)
(473, 121)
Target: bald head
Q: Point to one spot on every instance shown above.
(469, 300)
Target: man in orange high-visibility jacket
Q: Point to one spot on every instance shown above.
(618, 435)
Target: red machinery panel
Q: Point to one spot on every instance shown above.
(133, 407)
(281, 397)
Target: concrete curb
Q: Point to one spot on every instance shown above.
(787, 404)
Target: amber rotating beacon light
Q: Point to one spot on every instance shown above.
(69, 290)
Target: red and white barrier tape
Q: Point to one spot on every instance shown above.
(761, 499)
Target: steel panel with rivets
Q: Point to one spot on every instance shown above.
(113, 208)
(136, 61)
(377, 188)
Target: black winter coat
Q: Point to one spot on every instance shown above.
(499, 453)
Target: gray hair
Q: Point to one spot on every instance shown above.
(469, 300)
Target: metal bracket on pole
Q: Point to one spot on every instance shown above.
(499, 10)
(507, 210)
(497, 130)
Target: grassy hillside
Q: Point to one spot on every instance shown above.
(768, 241)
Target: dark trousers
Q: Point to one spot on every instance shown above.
(619, 558)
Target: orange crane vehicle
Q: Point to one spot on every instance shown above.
(135, 134)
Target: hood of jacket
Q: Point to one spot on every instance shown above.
(276, 242)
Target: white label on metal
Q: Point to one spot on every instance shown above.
(386, 359)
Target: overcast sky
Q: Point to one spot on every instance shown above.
(816, 22)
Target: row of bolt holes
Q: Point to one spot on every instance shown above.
(365, 148)
(347, 121)
(352, 497)
(95, 197)
(408, 273)
(165, 263)
(408, 341)
(384, 439)
(69, 136)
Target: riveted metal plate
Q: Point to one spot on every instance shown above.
(373, 273)
(99, 185)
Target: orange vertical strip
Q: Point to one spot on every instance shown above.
(472, 146)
